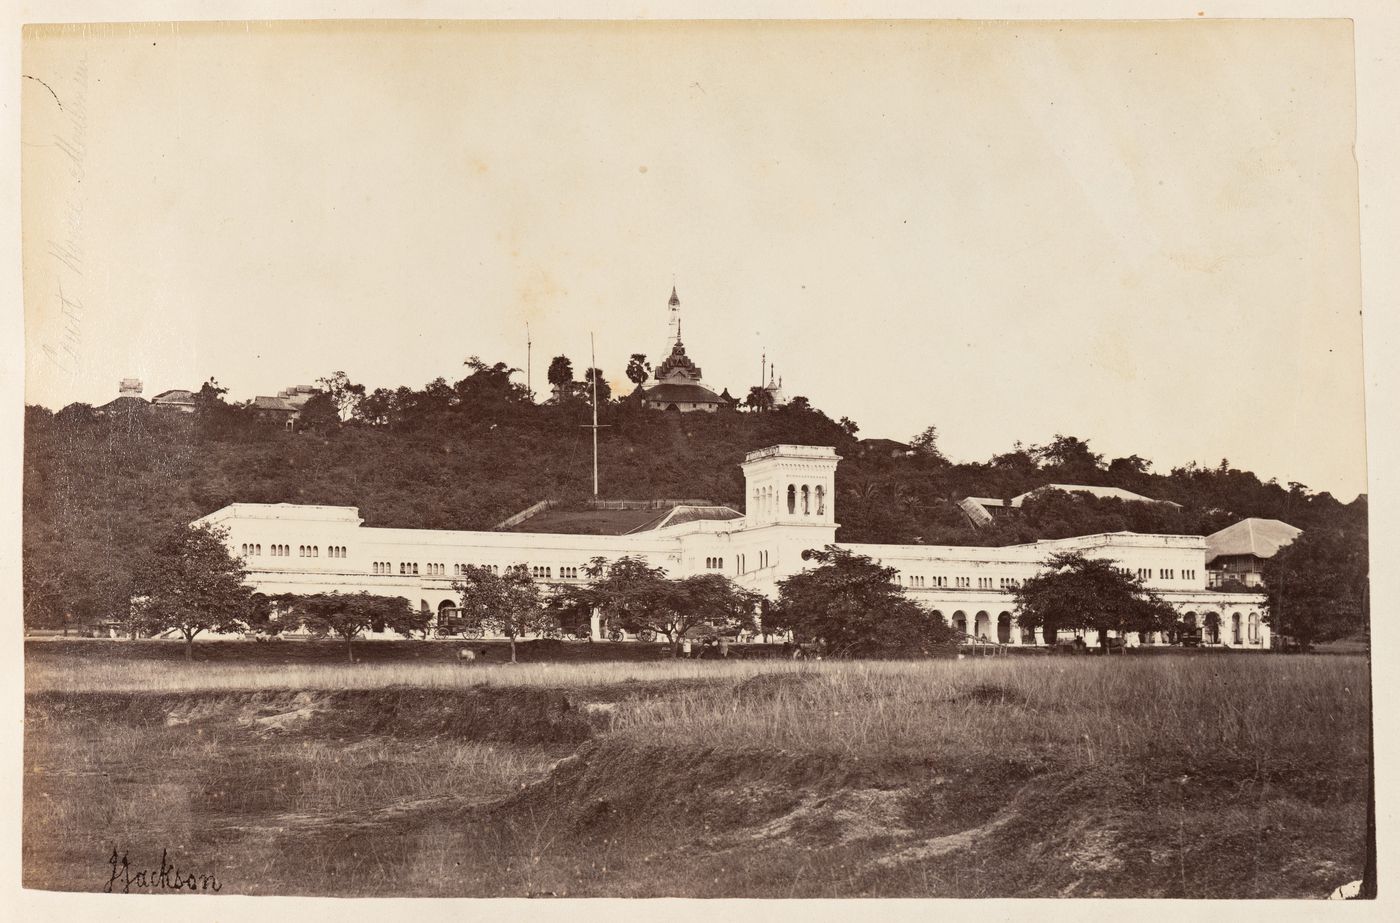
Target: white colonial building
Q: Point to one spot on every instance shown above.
(790, 507)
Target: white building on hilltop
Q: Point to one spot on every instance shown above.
(790, 507)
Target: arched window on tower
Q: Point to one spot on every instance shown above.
(806, 500)
(792, 499)
(821, 500)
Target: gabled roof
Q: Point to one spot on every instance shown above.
(1259, 537)
(273, 403)
(1115, 493)
(678, 363)
(174, 396)
(682, 394)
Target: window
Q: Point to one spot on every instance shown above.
(315, 551)
(243, 550)
(259, 551)
(792, 499)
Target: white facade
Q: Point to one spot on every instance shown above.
(790, 507)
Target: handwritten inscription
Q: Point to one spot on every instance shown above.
(166, 878)
(65, 248)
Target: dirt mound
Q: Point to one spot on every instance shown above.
(522, 715)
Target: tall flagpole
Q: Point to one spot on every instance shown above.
(529, 381)
(593, 370)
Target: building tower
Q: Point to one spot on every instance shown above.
(791, 485)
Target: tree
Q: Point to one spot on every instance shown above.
(925, 445)
(604, 389)
(192, 583)
(848, 426)
(1070, 456)
(210, 393)
(855, 607)
(349, 615)
(638, 369)
(1076, 592)
(344, 394)
(319, 414)
(640, 597)
(1318, 587)
(561, 375)
(760, 399)
(508, 603)
(715, 601)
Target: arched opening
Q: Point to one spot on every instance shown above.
(1212, 628)
(1254, 628)
(984, 627)
(1236, 628)
(792, 499)
(960, 622)
(821, 500)
(1027, 634)
(806, 500)
(1004, 628)
(447, 613)
(1189, 628)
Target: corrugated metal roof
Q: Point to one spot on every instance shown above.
(683, 514)
(1259, 537)
(1116, 493)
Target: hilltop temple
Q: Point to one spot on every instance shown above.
(677, 383)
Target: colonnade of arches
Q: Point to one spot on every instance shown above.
(796, 499)
(1239, 629)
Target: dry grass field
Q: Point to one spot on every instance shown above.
(1232, 776)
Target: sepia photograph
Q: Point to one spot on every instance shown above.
(764, 459)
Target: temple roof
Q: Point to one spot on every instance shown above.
(677, 361)
(682, 394)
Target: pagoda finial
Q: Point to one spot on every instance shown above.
(675, 299)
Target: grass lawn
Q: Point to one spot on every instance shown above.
(1147, 777)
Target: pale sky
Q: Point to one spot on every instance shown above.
(1141, 234)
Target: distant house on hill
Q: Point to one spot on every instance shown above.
(983, 511)
(286, 405)
(1238, 552)
(885, 447)
(177, 399)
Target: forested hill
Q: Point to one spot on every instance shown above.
(99, 489)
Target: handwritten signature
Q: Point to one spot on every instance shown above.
(66, 248)
(166, 878)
